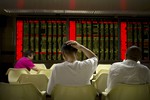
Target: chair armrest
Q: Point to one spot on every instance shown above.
(104, 93)
(43, 92)
(93, 81)
(94, 76)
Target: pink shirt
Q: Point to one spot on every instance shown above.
(24, 62)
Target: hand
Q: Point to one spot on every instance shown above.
(74, 44)
(78, 46)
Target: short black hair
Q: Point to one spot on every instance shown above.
(133, 53)
(28, 53)
(68, 49)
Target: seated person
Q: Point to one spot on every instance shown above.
(26, 61)
(72, 71)
(130, 71)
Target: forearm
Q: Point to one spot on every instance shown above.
(35, 69)
(87, 52)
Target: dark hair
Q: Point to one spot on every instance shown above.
(133, 53)
(68, 49)
(28, 53)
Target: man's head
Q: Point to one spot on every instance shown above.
(133, 53)
(29, 54)
(68, 50)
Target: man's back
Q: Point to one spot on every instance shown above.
(128, 72)
(76, 73)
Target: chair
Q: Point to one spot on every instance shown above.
(52, 66)
(14, 73)
(95, 76)
(128, 92)
(103, 66)
(39, 66)
(39, 80)
(86, 92)
(100, 81)
(46, 72)
(20, 92)
(149, 88)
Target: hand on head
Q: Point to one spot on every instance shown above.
(74, 44)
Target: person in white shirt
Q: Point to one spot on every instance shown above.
(72, 71)
(129, 71)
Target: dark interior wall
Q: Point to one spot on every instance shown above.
(7, 44)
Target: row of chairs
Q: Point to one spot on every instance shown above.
(86, 92)
(25, 85)
(30, 92)
(24, 76)
(14, 74)
(99, 81)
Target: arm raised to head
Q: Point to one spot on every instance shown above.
(82, 48)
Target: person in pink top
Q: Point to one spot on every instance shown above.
(26, 61)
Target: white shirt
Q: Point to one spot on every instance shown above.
(76, 73)
(128, 72)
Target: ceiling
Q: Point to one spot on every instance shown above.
(135, 7)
